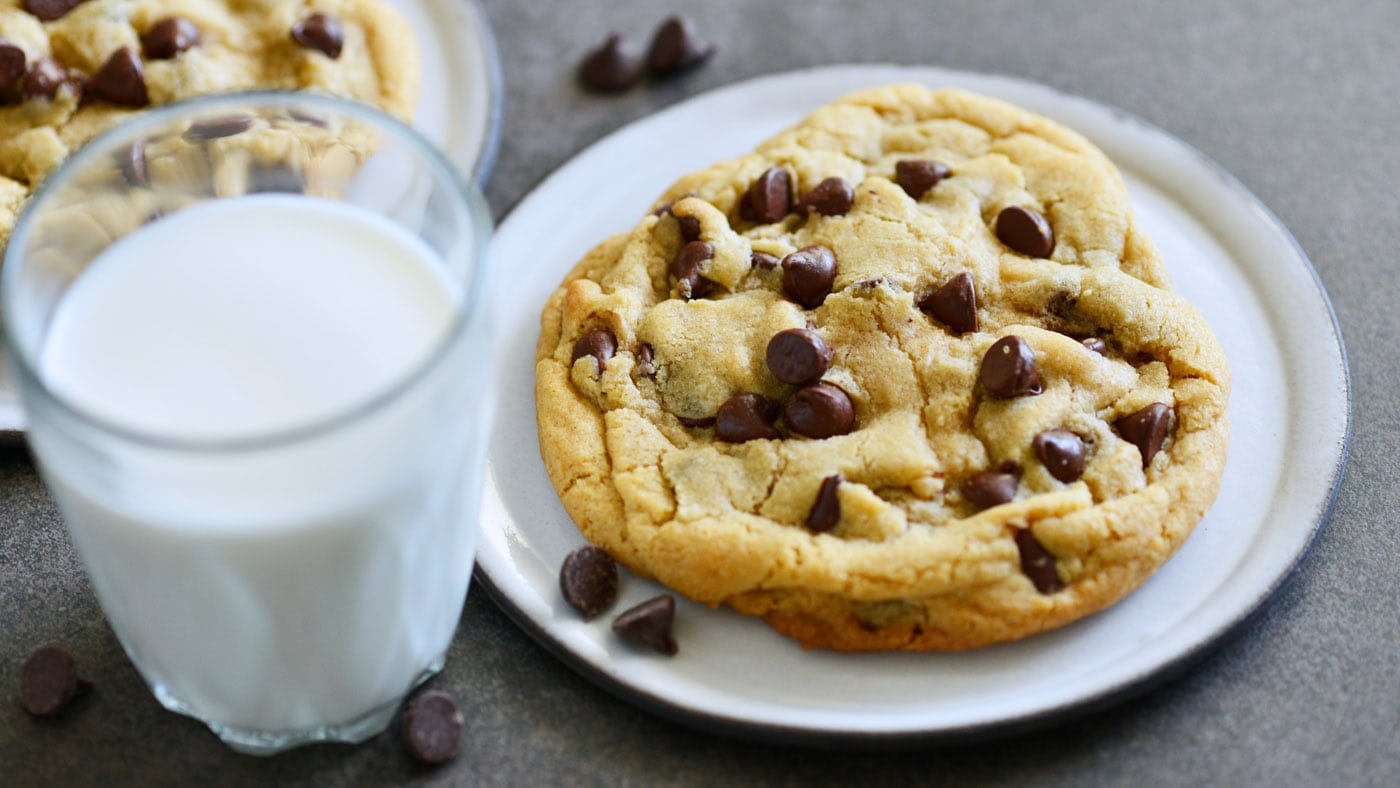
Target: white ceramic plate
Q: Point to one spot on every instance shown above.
(459, 108)
(1226, 253)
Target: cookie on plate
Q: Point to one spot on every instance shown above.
(70, 69)
(907, 377)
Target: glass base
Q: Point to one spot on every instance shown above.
(257, 742)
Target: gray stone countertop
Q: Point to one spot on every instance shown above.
(1297, 99)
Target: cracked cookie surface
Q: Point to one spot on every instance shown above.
(907, 377)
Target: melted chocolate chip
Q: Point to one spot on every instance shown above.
(745, 417)
(916, 176)
(769, 198)
(611, 68)
(1025, 231)
(798, 355)
(1095, 344)
(432, 727)
(588, 580)
(808, 275)
(819, 410)
(954, 304)
(13, 65)
(677, 47)
(49, 10)
(598, 343)
(649, 624)
(1062, 452)
(120, 80)
(169, 37)
(763, 260)
(45, 78)
(48, 681)
(993, 488)
(689, 227)
(1146, 429)
(826, 511)
(831, 197)
(133, 164)
(321, 32)
(1037, 563)
(685, 267)
(217, 128)
(1008, 369)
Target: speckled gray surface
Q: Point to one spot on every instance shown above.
(1296, 99)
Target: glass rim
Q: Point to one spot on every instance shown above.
(470, 202)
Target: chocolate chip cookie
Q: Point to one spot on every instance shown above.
(70, 69)
(907, 377)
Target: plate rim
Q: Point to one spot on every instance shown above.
(1132, 685)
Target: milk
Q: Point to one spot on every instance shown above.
(284, 545)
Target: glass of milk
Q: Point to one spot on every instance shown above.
(251, 338)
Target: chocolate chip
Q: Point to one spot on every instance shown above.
(808, 275)
(1146, 429)
(769, 198)
(120, 80)
(133, 164)
(831, 197)
(48, 681)
(763, 260)
(649, 624)
(798, 355)
(169, 37)
(432, 727)
(598, 343)
(321, 32)
(677, 47)
(826, 512)
(1062, 452)
(993, 488)
(216, 128)
(265, 178)
(1025, 231)
(611, 68)
(819, 410)
(689, 227)
(703, 422)
(917, 176)
(45, 78)
(1095, 344)
(588, 580)
(954, 304)
(685, 267)
(745, 417)
(646, 363)
(1008, 369)
(1037, 563)
(13, 65)
(49, 10)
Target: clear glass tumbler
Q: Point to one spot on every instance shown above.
(269, 454)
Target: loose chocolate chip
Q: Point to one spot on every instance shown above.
(798, 355)
(120, 80)
(993, 488)
(703, 422)
(588, 580)
(598, 343)
(1008, 369)
(321, 32)
(432, 727)
(13, 65)
(48, 681)
(677, 47)
(917, 176)
(133, 164)
(831, 197)
(1062, 452)
(45, 78)
(216, 128)
(49, 10)
(646, 363)
(769, 198)
(763, 260)
(685, 267)
(649, 624)
(1025, 231)
(954, 304)
(745, 417)
(1095, 344)
(1146, 429)
(611, 68)
(169, 37)
(826, 512)
(1037, 563)
(808, 275)
(819, 410)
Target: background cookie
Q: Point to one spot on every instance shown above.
(877, 482)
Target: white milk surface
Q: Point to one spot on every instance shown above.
(302, 583)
